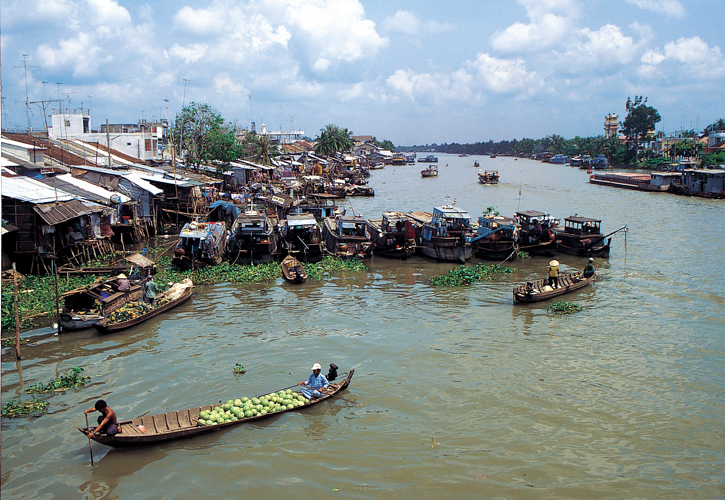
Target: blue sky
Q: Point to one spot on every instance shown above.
(412, 72)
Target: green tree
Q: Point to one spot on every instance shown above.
(261, 148)
(640, 121)
(716, 126)
(203, 136)
(333, 139)
(384, 144)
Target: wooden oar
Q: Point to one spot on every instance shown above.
(90, 448)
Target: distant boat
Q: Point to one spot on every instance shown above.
(293, 271)
(431, 171)
(488, 177)
(428, 159)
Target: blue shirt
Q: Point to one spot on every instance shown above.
(317, 383)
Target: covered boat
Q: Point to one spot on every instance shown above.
(347, 236)
(582, 236)
(301, 236)
(428, 159)
(431, 171)
(535, 291)
(495, 238)
(85, 306)
(133, 313)
(200, 244)
(393, 236)
(152, 429)
(536, 235)
(252, 239)
(446, 235)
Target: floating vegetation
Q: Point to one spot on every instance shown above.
(16, 408)
(239, 369)
(524, 255)
(10, 341)
(465, 275)
(564, 307)
(74, 378)
(331, 264)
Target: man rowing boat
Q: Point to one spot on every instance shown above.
(106, 421)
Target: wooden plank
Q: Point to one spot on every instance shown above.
(185, 418)
(172, 420)
(148, 422)
(160, 423)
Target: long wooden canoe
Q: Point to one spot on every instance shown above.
(184, 423)
(540, 289)
(104, 326)
(293, 271)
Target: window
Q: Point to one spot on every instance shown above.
(147, 144)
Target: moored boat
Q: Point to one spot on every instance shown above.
(168, 426)
(200, 244)
(347, 236)
(535, 291)
(582, 236)
(446, 235)
(293, 271)
(428, 159)
(252, 239)
(536, 235)
(134, 313)
(392, 236)
(495, 238)
(301, 236)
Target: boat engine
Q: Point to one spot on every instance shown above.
(332, 374)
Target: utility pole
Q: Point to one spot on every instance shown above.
(183, 123)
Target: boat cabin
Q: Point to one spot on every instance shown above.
(582, 226)
(200, 243)
(530, 219)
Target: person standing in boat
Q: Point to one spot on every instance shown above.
(106, 421)
(123, 284)
(554, 274)
(316, 384)
(589, 268)
(149, 291)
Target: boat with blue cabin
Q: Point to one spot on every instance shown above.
(445, 235)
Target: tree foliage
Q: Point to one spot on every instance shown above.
(261, 148)
(203, 136)
(384, 144)
(640, 121)
(333, 139)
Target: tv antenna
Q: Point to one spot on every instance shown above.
(27, 101)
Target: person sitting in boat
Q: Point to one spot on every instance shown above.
(529, 288)
(123, 284)
(107, 421)
(317, 383)
(589, 268)
(554, 274)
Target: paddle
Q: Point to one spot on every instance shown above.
(90, 448)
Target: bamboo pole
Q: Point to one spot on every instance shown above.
(17, 315)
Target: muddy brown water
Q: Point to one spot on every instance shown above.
(461, 394)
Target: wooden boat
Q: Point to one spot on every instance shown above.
(200, 244)
(488, 177)
(152, 429)
(393, 236)
(347, 236)
(535, 291)
(536, 235)
(176, 295)
(431, 171)
(495, 238)
(428, 159)
(582, 236)
(85, 306)
(293, 271)
(446, 235)
(301, 236)
(252, 239)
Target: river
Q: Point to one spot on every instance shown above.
(459, 393)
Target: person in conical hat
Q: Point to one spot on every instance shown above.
(123, 284)
(554, 274)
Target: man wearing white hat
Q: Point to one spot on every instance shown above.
(589, 268)
(554, 274)
(317, 383)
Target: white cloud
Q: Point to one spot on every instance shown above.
(550, 21)
(432, 88)
(669, 8)
(189, 53)
(107, 14)
(505, 75)
(224, 83)
(78, 53)
(602, 48)
(691, 55)
(407, 23)
(54, 12)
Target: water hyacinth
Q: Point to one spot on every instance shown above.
(465, 275)
(564, 307)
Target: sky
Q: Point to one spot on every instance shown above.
(414, 73)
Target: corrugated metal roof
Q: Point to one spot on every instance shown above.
(27, 189)
(56, 213)
(86, 189)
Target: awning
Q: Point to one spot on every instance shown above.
(139, 260)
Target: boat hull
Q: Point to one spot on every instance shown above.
(568, 283)
(595, 250)
(183, 423)
(103, 326)
(457, 253)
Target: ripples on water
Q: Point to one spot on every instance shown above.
(461, 394)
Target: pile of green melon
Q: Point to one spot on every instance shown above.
(237, 409)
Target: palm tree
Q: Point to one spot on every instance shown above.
(262, 148)
(333, 139)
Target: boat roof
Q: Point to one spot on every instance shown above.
(200, 229)
(534, 214)
(582, 220)
(305, 219)
(451, 212)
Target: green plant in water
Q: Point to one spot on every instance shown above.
(465, 275)
(239, 369)
(564, 307)
(10, 341)
(16, 408)
(524, 255)
(74, 378)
